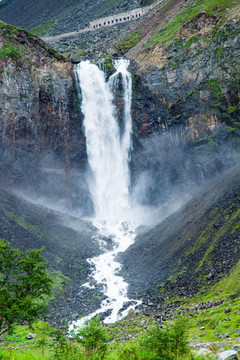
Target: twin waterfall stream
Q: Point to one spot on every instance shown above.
(108, 147)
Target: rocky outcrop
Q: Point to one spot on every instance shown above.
(186, 118)
(196, 77)
(186, 104)
(41, 125)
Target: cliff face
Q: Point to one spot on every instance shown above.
(186, 95)
(187, 129)
(186, 115)
(40, 127)
(196, 77)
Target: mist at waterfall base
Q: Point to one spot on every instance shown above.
(167, 170)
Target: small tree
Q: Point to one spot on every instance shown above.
(93, 337)
(179, 336)
(64, 348)
(168, 342)
(23, 283)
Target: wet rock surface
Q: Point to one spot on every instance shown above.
(185, 108)
(79, 301)
(42, 143)
(177, 246)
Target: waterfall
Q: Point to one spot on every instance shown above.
(108, 140)
(107, 149)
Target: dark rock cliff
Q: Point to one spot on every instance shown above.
(42, 143)
(186, 131)
(186, 104)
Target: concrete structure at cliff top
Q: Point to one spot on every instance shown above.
(122, 17)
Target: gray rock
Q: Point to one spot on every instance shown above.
(227, 355)
(203, 351)
(227, 310)
(31, 336)
(236, 347)
(75, 60)
(75, 316)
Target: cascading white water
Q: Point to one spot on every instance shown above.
(126, 141)
(108, 148)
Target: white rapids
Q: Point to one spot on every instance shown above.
(108, 148)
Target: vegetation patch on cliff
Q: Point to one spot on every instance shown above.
(10, 51)
(127, 42)
(42, 29)
(218, 8)
(17, 44)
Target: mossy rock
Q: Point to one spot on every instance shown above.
(127, 42)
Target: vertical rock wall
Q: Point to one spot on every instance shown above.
(41, 139)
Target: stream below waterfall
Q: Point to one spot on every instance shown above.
(108, 142)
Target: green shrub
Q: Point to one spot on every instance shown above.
(23, 281)
(127, 42)
(11, 52)
(130, 351)
(64, 348)
(93, 337)
(168, 342)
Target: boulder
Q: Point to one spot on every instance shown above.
(31, 336)
(203, 352)
(227, 355)
(236, 347)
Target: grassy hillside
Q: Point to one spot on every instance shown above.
(164, 25)
(136, 337)
(216, 8)
(17, 44)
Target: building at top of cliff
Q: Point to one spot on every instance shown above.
(122, 17)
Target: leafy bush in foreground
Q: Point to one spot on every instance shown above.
(93, 337)
(166, 343)
(23, 282)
